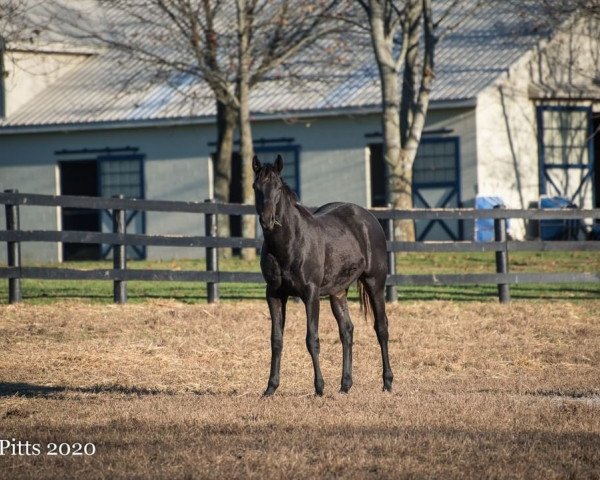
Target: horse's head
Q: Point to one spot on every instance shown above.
(268, 187)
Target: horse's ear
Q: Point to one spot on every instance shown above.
(279, 163)
(255, 164)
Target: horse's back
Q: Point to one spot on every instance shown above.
(340, 220)
(350, 216)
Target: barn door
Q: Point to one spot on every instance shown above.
(565, 140)
(79, 177)
(123, 175)
(436, 184)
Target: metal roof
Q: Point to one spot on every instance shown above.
(108, 88)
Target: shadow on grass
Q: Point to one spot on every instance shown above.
(9, 389)
(568, 394)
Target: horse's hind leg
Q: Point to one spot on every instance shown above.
(375, 290)
(339, 306)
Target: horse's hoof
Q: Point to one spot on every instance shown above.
(388, 378)
(346, 383)
(268, 392)
(319, 387)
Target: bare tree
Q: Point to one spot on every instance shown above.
(270, 35)
(395, 31)
(14, 24)
(11, 13)
(404, 37)
(229, 47)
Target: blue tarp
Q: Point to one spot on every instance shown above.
(558, 229)
(484, 227)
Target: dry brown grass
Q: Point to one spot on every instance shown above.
(167, 390)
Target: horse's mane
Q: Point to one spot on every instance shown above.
(289, 192)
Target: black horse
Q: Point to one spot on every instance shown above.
(309, 255)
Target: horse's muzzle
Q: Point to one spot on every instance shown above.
(268, 222)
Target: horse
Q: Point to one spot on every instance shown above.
(310, 255)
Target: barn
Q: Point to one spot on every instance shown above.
(514, 112)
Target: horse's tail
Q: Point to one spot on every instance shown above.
(365, 301)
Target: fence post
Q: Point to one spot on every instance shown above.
(501, 256)
(391, 292)
(13, 256)
(212, 254)
(119, 254)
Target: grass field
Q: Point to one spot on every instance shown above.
(170, 390)
(45, 291)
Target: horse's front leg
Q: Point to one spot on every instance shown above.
(311, 301)
(277, 309)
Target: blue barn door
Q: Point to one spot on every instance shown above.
(436, 184)
(566, 151)
(123, 174)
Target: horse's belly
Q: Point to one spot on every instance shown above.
(340, 279)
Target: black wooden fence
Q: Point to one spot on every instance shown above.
(213, 276)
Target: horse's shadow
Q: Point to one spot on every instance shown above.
(10, 389)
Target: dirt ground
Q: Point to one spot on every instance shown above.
(167, 390)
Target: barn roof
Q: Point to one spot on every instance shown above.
(105, 88)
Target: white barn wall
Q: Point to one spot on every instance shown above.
(507, 144)
(568, 67)
(29, 73)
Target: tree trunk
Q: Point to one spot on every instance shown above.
(401, 195)
(246, 148)
(413, 123)
(226, 121)
(399, 181)
(247, 152)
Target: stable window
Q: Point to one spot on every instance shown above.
(436, 162)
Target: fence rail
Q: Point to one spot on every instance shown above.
(13, 236)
